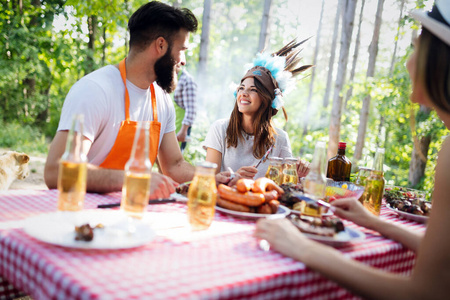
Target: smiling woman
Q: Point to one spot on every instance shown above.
(242, 140)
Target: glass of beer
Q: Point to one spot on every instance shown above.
(72, 174)
(275, 170)
(290, 170)
(202, 196)
(136, 182)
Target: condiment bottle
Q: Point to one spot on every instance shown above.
(339, 167)
(290, 170)
(275, 170)
(373, 192)
(202, 196)
(72, 174)
(315, 182)
(137, 174)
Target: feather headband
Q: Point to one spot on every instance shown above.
(276, 71)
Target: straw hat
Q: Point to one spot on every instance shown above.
(437, 20)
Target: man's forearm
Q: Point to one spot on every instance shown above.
(181, 172)
(101, 180)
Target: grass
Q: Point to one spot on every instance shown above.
(23, 138)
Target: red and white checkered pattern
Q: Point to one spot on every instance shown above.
(226, 266)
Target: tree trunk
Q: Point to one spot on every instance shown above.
(337, 18)
(127, 8)
(364, 114)
(399, 23)
(336, 111)
(355, 56)
(204, 44)
(30, 82)
(104, 45)
(313, 73)
(92, 26)
(419, 158)
(264, 33)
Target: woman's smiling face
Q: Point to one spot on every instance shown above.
(248, 99)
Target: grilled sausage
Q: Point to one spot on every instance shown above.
(232, 205)
(249, 198)
(244, 185)
(264, 184)
(272, 195)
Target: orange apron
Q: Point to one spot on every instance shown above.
(121, 150)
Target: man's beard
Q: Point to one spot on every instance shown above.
(165, 71)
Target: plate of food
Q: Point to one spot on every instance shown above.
(301, 204)
(342, 189)
(408, 203)
(89, 229)
(282, 212)
(407, 215)
(329, 231)
(393, 193)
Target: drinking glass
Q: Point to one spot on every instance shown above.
(72, 174)
(202, 196)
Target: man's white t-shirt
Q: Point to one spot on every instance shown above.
(100, 97)
(242, 155)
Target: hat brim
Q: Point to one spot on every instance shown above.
(440, 30)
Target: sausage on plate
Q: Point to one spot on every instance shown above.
(249, 198)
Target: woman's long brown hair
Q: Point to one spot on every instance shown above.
(263, 128)
(433, 69)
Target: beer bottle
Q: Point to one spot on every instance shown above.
(136, 183)
(339, 167)
(315, 182)
(72, 174)
(374, 190)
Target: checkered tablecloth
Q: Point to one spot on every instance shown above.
(223, 262)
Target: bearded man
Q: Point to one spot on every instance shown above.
(114, 98)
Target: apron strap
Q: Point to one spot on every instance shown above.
(155, 113)
(123, 74)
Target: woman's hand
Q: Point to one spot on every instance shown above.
(351, 209)
(247, 172)
(226, 178)
(302, 168)
(282, 236)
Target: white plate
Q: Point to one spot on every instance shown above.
(349, 235)
(58, 228)
(409, 216)
(282, 212)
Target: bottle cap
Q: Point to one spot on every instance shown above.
(342, 145)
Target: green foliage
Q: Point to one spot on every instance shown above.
(46, 51)
(21, 138)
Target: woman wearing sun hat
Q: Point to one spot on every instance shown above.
(429, 69)
(242, 140)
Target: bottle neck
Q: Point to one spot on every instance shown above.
(341, 151)
(377, 174)
(319, 162)
(139, 159)
(73, 151)
(378, 161)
